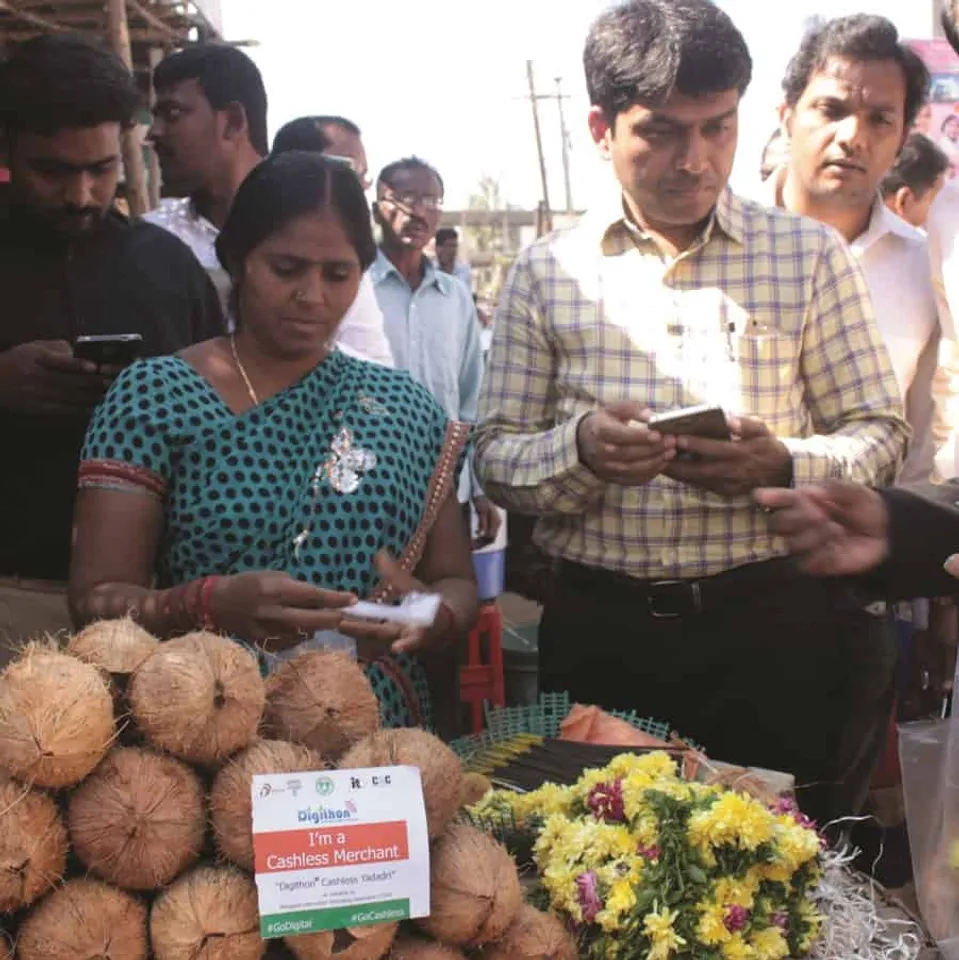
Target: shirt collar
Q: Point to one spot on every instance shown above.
(728, 215)
(882, 220)
(383, 267)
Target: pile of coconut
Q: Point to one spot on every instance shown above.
(125, 806)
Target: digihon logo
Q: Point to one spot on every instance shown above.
(316, 815)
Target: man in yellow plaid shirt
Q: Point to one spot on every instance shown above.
(672, 597)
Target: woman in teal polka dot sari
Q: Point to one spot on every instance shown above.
(259, 484)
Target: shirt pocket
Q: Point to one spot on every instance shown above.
(769, 378)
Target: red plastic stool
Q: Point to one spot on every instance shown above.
(483, 680)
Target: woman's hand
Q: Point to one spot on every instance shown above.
(275, 610)
(374, 636)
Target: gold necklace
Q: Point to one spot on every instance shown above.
(243, 373)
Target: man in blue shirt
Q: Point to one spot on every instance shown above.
(429, 316)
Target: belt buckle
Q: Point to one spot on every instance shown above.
(658, 614)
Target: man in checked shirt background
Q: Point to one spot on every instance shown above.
(672, 597)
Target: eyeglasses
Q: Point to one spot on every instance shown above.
(409, 201)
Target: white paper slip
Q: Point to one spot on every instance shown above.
(416, 609)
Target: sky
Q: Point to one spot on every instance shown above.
(446, 79)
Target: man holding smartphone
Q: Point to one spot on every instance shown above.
(672, 597)
(71, 267)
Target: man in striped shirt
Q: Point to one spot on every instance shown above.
(673, 598)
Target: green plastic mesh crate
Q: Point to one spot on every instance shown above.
(541, 720)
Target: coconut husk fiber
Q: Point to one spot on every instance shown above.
(533, 935)
(139, 819)
(210, 913)
(33, 845)
(321, 699)
(231, 802)
(475, 889)
(56, 718)
(200, 697)
(414, 948)
(85, 920)
(115, 646)
(440, 769)
(357, 943)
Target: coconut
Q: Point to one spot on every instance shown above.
(6, 946)
(534, 936)
(356, 943)
(412, 948)
(208, 914)
(323, 699)
(138, 820)
(56, 718)
(33, 845)
(200, 697)
(116, 646)
(85, 920)
(475, 787)
(439, 767)
(231, 802)
(475, 890)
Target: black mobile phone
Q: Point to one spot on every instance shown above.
(109, 350)
(701, 421)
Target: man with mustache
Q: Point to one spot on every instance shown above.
(851, 94)
(671, 597)
(70, 265)
(433, 329)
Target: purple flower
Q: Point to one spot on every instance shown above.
(736, 918)
(648, 853)
(788, 807)
(588, 896)
(605, 802)
(781, 920)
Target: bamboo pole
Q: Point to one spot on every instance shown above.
(155, 55)
(118, 34)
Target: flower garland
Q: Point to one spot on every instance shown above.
(645, 864)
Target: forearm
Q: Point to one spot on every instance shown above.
(869, 453)
(164, 613)
(536, 473)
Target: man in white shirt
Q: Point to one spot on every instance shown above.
(447, 246)
(916, 179)
(846, 118)
(851, 94)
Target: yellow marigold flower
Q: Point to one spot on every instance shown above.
(731, 892)
(776, 872)
(657, 765)
(712, 924)
(733, 819)
(795, 845)
(619, 901)
(736, 948)
(769, 944)
(658, 926)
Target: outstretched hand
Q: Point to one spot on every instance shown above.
(834, 529)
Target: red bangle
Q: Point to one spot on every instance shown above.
(206, 596)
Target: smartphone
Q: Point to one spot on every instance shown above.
(109, 350)
(701, 421)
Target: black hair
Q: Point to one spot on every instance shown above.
(919, 165)
(950, 22)
(645, 50)
(288, 186)
(861, 37)
(226, 75)
(309, 133)
(947, 120)
(446, 233)
(59, 81)
(407, 163)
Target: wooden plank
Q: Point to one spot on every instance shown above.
(27, 17)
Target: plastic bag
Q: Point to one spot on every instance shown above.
(929, 754)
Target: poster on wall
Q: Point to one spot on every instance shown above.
(939, 119)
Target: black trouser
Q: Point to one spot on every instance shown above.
(752, 663)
